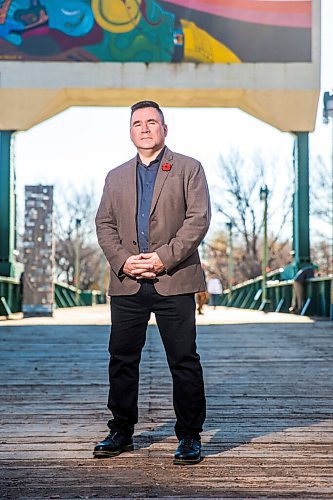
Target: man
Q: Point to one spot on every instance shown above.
(215, 289)
(298, 296)
(201, 299)
(153, 214)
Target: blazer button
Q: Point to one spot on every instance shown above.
(134, 243)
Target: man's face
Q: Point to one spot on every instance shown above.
(147, 130)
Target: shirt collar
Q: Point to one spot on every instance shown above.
(157, 159)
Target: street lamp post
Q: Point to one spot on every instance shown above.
(230, 255)
(77, 253)
(263, 197)
(327, 114)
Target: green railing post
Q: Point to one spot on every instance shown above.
(7, 206)
(301, 225)
(328, 116)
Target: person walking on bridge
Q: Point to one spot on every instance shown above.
(153, 215)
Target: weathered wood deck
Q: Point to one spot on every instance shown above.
(269, 431)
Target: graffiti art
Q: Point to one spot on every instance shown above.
(200, 31)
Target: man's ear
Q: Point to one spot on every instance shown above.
(165, 127)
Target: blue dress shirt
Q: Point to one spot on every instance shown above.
(146, 177)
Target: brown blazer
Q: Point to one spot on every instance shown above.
(179, 220)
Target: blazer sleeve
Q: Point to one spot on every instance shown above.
(107, 231)
(196, 221)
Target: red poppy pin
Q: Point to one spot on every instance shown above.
(166, 167)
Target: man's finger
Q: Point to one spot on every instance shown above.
(139, 271)
(146, 255)
(148, 275)
(141, 265)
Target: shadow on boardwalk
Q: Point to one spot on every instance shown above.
(269, 428)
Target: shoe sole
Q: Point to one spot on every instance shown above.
(178, 461)
(110, 454)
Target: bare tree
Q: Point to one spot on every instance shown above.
(321, 255)
(214, 255)
(216, 258)
(321, 214)
(237, 199)
(77, 254)
(321, 191)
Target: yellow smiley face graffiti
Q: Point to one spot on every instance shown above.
(117, 16)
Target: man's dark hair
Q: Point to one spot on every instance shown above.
(147, 104)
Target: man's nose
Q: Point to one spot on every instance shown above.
(145, 127)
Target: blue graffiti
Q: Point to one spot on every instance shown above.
(74, 18)
(10, 27)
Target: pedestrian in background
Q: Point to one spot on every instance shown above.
(215, 289)
(201, 299)
(298, 296)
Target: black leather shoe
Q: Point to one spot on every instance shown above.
(188, 452)
(114, 444)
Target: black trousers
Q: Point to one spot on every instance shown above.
(175, 316)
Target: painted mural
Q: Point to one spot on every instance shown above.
(201, 31)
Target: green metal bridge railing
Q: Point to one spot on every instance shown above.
(65, 296)
(70, 296)
(10, 296)
(248, 295)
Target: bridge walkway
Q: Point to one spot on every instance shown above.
(269, 429)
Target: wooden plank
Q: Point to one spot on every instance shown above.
(269, 430)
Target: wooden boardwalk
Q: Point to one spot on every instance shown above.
(269, 430)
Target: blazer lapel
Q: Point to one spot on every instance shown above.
(129, 188)
(161, 178)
